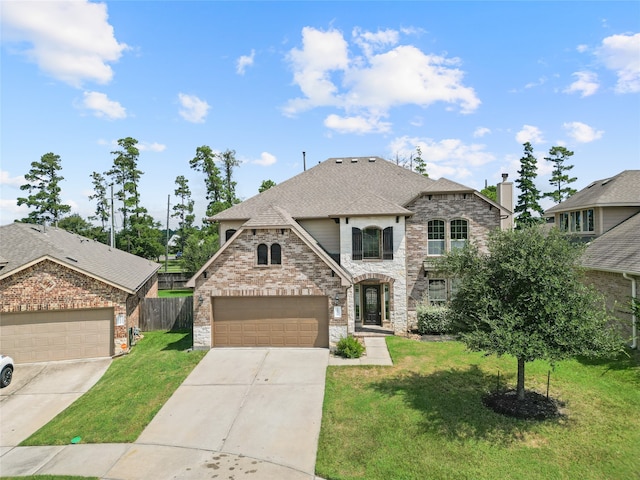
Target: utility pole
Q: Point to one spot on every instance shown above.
(166, 252)
(112, 220)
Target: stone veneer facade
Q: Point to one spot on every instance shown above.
(236, 273)
(48, 285)
(481, 216)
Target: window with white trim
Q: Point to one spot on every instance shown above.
(459, 233)
(435, 237)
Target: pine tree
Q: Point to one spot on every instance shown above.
(421, 165)
(559, 178)
(100, 196)
(184, 210)
(205, 162)
(44, 191)
(529, 196)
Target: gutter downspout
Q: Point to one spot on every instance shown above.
(634, 320)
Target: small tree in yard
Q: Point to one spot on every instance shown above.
(525, 298)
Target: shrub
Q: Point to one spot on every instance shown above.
(349, 347)
(434, 319)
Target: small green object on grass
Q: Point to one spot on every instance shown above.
(75, 440)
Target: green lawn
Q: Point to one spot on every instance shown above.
(423, 419)
(175, 293)
(129, 394)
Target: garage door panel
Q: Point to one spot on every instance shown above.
(57, 335)
(270, 322)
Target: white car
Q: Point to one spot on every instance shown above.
(6, 369)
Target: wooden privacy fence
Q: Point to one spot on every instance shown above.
(166, 314)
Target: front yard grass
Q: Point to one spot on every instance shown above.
(423, 418)
(123, 402)
(180, 292)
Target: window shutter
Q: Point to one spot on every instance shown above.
(387, 243)
(356, 243)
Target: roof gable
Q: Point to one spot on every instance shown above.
(22, 245)
(620, 190)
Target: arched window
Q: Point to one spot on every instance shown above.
(262, 254)
(228, 234)
(371, 242)
(435, 237)
(276, 254)
(459, 233)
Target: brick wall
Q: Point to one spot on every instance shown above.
(617, 292)
(482, 219)
(48, 285)
(236, 273)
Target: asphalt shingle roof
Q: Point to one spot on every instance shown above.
(620, 190)
(617, 250)
(22, 244)
(347, 186)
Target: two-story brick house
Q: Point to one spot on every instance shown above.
(341, 246)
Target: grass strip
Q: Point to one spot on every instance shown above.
(127, 397)
(423, 418)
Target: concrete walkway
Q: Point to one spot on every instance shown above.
(250, 413)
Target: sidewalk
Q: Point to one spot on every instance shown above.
(376, 353)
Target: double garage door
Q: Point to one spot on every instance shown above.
(56, 335)
(270, 321)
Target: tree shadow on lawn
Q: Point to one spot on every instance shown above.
(183, 343)
(451, 404)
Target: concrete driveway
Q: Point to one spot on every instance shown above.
(241, 413)
(39, 391)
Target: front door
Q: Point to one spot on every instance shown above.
(372, 305)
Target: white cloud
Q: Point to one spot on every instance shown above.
(7, 179)
(265, 160)
(449, 157)
(541, 81)
(481, 132)
(193, 109)
(356, 124)
(151, 147)
(581, 132)
(621, 53)
(529, 134)
(245, 61)
(586, 84)
(103, 107)
(10, 211)
(368, 86)
(71, 41)
(582, 48)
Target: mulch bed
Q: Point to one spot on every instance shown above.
(535, 406)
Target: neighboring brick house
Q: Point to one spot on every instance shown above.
(342, 246)
(607, 215)
(63, 296)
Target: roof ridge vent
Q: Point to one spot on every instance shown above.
(338, 160)
(72, 259)
(354, 160)
(372, 159)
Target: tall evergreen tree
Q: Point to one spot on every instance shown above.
(229, 162)
(126, 175)
(529, 196)
(183, 210)
(560, 178)
(205, 162)
(44, 191)
(103, 211)
(421, 165)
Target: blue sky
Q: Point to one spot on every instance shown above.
(468, 82)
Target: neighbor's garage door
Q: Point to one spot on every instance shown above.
(56, 335)
(270, 322)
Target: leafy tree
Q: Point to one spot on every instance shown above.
(76, 224)
(229, 162)
(183, 210)
(525, 298)
(44, 190)
(529, 196)
(560, 178)
(142, 237)
(421, 165)
(198, 249)
(491, 192)
(205, 162)
(266, 185)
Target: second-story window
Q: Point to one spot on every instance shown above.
(435, 237)
(459, 234)
(263, 253)
(371, 243)
(276, 254)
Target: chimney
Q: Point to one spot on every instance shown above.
(505, 199)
